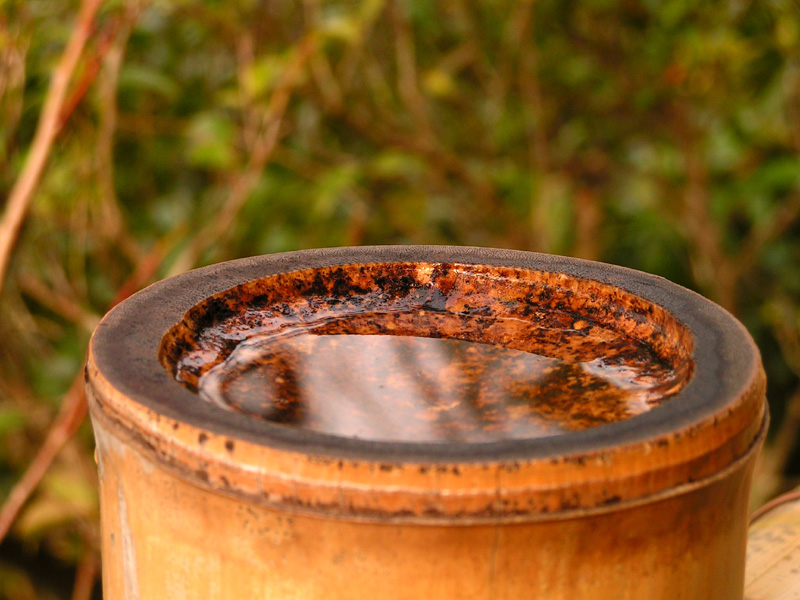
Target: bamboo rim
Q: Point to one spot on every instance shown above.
(711, 426)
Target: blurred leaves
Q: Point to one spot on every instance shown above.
(64, 496)
(660, 135)
(210, 140)
(11, 419)
(16, 584)
(141, 80)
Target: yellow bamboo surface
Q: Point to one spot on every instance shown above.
(773, 555)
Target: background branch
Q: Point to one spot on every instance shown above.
(73, 407)
(243, 183)
(46, 131)
(73, 410)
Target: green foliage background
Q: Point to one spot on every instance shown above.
(662, 135)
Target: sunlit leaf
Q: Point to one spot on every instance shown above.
(11, 419)
(210, 141)
(142, 78)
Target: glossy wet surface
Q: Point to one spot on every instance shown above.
(401, 388)
(431, 353)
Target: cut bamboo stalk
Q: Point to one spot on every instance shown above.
(278, 492)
